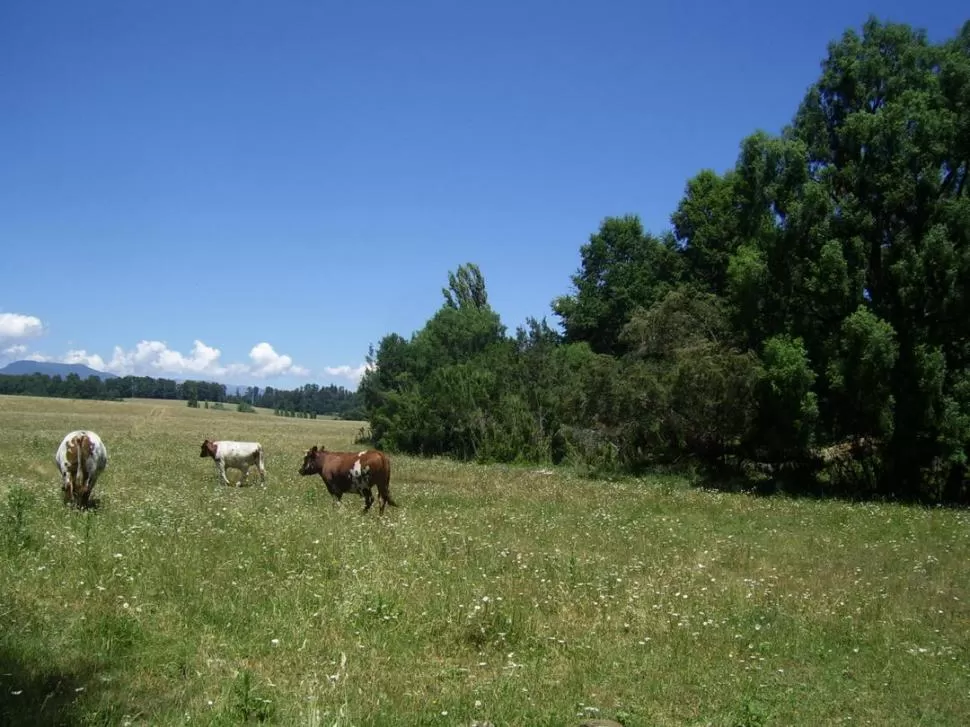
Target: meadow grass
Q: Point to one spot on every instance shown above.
(492, 593)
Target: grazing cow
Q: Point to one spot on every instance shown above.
(81, 458)
(349, 472)
(238, 455)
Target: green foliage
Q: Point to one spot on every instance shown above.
(810, 300)
(861, 376)
(460, 386)
(706, 224)
(245, 408)
(246, 703)
(15, 532)
(622, 269)
(466, 288)
(699, 389)
(787, 404)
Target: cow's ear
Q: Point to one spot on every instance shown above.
(313, 449)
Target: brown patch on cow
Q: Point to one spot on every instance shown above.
(208, 449)
(344, 472)
(71, 457)
(79, 451)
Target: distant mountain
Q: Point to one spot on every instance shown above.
(25, 368)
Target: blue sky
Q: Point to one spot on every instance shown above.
(254, 192)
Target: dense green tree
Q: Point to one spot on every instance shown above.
(706, 226)
(466, 288)
(622, 268)
(808, 303)
(787, 402)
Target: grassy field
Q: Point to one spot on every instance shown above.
(491, 593)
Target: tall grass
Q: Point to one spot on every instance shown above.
(492, 593)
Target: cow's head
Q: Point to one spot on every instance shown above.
(311, 463)
(208, 449)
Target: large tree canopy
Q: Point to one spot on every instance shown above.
(810, 302)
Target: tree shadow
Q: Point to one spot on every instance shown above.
(806, 485)
(29, 697)
(67, 683)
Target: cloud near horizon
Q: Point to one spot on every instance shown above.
(153, 358)
(16, 350)
(351, 373)
(15, 326)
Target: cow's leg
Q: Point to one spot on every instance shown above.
(244, 469)
(221, 470)
(69, 486)
(368, 498)
(88, 489)
(333, 489)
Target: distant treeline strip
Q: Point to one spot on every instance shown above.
(311, 398)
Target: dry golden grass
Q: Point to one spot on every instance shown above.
(491, 593)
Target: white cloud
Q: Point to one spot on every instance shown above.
(14, 326)
(352, 373)
(155, 358)
(82, 357)
(15, 351)
(266, 362)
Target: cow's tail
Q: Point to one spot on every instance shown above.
(75, 478)
(71, 478)
(387, 481)
(83, 452)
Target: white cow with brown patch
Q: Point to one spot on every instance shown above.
(237, 455)
(81, 458)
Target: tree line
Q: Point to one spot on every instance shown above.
(308, 399)
(803, 324)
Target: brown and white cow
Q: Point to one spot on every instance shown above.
(344, 472)
(81, 458)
